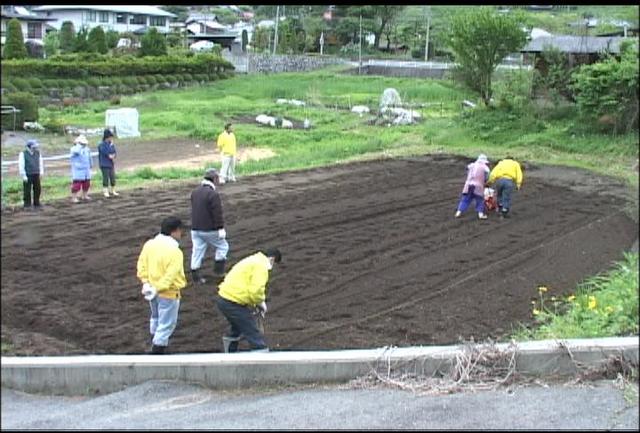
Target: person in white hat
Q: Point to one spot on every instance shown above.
(81, 164)
(477, 176)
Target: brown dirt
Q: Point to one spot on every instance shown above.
(372, 257)
(183, 153)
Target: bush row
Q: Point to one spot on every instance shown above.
(126, 66)
(26, 103)
(42, 86)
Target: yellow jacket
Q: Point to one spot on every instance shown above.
(161, 264)
(227, 143)
(507, 168)
(246, 282)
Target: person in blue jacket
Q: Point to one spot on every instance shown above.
(81, 165)
(106, 157)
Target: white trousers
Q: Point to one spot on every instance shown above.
(201, 241)
(228, 170)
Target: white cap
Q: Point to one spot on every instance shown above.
(81, 139)
(483, 158)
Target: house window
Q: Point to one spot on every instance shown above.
(121, 18)
(91, 16)
(104, 17)
(34, 30)
(138, 19)
(158, 21)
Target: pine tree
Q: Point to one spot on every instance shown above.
(97, 41)
(153, 44)
(67, 37)
(14, 47)
(81, 44)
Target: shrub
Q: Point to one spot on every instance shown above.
(10, 87)
(142, 81)
(67, 37)
(129, 81)
(35, 83)
(187, 77)
(151, 80)
(26, 103)
(171, 79)
(97, 41)
(115, 100)
(116, 81)
(93, 81)
(608, 91)
(22, 84)
(160, 79)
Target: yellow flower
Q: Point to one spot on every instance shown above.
(571, 298)
(533, 302)
(536, 312)
(542, 289)
(553, 298)
(609, 309)
(592, 302)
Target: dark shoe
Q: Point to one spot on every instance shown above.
(197, 278)
(158, 350)
(38, 208)
(504, 214)
(218, 267)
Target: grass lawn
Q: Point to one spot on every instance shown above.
(339, 135)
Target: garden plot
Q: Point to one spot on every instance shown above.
(372, 256)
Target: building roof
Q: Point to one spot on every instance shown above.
(21, 13)
(574, 44)
(138, 10)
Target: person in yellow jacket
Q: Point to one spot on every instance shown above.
(161, 271)
(507, 176)
(240, 293)
(227, 148)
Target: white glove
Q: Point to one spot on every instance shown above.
(263, 308)
(222, 233)
(25, 178)
(149, 291)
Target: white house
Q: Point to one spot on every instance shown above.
(120, 18)
(33, 26)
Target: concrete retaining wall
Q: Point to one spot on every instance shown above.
(266, 63)
(399, 71)
(76, 375)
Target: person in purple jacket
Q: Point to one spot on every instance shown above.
(106, 157)
(477, 176)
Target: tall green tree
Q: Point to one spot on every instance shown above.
(14, 47)
(153, 44)
(112, 37)
(81, 44)
(51, 43)
(97, 41)
(67, 37)
(480, 38)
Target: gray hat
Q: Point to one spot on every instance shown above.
(32, 143)
(211, 173)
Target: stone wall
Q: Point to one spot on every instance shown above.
(399, 71)
(266, 63)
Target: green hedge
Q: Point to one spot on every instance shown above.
(119, 66)
(26, 103)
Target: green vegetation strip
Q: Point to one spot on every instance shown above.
(604, 305)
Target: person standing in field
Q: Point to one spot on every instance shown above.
(477, 176)
(207, 226)
(81, 164)
(31, 169)
(161, 270)
(242, 291)
(507, 175)
(106, 157)
(227, 147)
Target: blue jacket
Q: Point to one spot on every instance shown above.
(104, 150)
(81, 162)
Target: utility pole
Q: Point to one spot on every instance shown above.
(360, 48)
(275, 37)
(426, 43)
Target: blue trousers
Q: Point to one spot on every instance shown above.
(242, 323)
(465, 200)
(164, 318)
(505, 188)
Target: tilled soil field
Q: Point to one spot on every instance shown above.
(371, 257)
